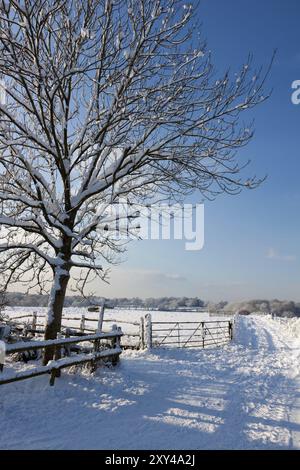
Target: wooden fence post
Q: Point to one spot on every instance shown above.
(100, 320)
(82, 323)
(230, 330)
(115, 344)
(52, 377)
(67, 348)
(25, 330)
(142, 333)
(34, 323)
(57, 355)
(93, 361)
(148, 331)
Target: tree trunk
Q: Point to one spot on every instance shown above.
(55, 308)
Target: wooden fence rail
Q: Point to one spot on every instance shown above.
(54, 367)
(66, 317)
(34, 326)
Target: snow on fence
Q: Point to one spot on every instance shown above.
(110, 350)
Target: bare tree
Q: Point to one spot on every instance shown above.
(106, 99)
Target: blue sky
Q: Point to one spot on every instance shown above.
(252, 240)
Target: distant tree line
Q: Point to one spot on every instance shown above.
(161, 303)
(278, 307)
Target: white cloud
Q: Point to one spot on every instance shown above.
(273, 254)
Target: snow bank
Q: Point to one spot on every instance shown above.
(263, 332)
(290, 326)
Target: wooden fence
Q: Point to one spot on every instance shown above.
(34, 323)
(108, 350)
(145, 333)
(187, 334)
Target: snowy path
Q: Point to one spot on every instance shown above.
(244, 396)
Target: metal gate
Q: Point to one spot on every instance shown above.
(186, 334)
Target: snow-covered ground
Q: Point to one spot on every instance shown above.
(242, 396)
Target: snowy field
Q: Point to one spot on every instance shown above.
(115, 315)
(242, 396)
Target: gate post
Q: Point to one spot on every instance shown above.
(148, 331)
(142, 333)
(115, 344)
